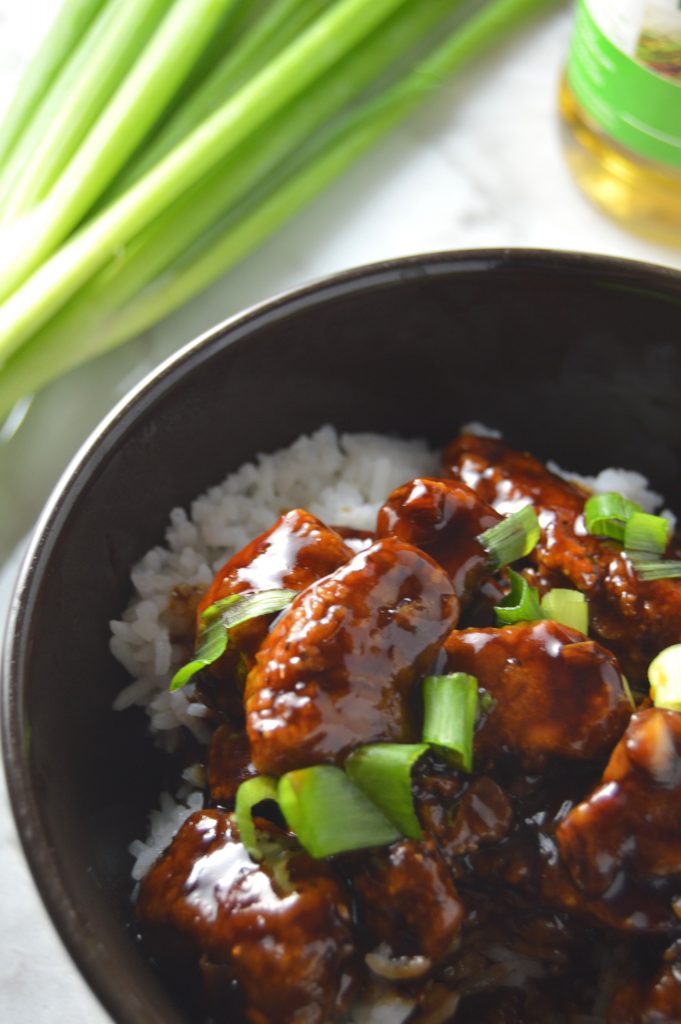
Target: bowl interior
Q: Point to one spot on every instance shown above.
(576, 358)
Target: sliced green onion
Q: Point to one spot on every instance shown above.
(383, 772)
(249, 794)
(569, 607)
(521, 604)
(450, 711)
(249, 606)
(627, 691)
(606, 515)
(512, 538)
(222, 616)
(643, 532)
(650, 568)
(329, 814)
(486, 702)
(664, 676)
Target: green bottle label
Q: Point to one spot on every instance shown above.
(625, 72)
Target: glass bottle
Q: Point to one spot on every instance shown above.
(620, 103)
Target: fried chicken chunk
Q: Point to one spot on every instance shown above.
(407, 901)
(280, 929)
(658, 1002)
(634, 618)
(297, 550)
(443, 518)
(340, 667)
(631, 821)
(555, 693)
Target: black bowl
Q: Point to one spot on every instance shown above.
(576, 357)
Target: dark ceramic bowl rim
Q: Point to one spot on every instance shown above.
(93, 454)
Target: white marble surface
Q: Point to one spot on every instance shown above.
(481, 166)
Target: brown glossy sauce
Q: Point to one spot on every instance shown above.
(555, 693)
(281, 929)
(633, 618)
(546, 886)
(291, 555)
(443, 518)
(340, 667)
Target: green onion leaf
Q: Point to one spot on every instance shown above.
(329, 814)
(627, 691)
(451, 707)
(248, 795)
(249, 606)
(664, 676)
(222, 616)
(521, 604)
(606, 515)
(486, 702)
(643, 532)
(569, 607)
(650, 568)
(512, 538)
(383, 772)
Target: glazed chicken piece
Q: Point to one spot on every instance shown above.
(297, 550)
(527, 862)
(461, 812)
(228, 764)
(293, 553)
(517, 963)
(407, 902)
(555, 694)
(341, 666)
(280, 929)
(632, 821)
(657, 1002)
(634, 618)
(444, 519)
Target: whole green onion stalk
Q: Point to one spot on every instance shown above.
(105, 242)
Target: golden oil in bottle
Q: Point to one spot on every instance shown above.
(620, 103)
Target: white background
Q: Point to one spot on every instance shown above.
(480, 166)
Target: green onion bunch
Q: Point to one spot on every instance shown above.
(154, 143)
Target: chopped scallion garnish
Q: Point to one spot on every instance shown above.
(664, 676)
(513, 538)
(627, 691)
(644, 532)
(329, 814)
(219, 618)
(569, 607)
(606, 515)
(383, 772)
(450, 711)
(648, 567)
(521, 604)
(249, 794)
